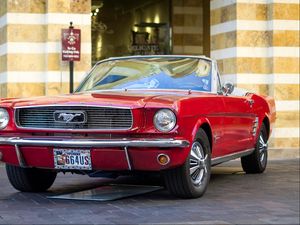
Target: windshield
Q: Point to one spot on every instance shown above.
(150, 73)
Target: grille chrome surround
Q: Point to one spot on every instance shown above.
(98, 118)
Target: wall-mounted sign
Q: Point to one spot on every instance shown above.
(151, 40)
(70, 41)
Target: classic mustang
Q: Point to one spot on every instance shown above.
(168, 114)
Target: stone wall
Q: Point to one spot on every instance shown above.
(187, 27)
(30, 60)
(256, 44)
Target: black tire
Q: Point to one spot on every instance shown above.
(180, 182)
(30, 179)
(257, 161)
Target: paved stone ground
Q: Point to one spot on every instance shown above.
(232, 198)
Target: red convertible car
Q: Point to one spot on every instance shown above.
(169, 114)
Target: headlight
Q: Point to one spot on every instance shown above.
(164, 120)
(4, 118)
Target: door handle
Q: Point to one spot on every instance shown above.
(250, 102)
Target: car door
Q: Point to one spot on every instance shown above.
(238, 123)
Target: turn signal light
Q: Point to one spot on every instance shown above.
(163, 159)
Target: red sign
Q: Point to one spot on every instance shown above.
(70, 41)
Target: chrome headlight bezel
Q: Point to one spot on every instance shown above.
(4, 118)
(164, 120)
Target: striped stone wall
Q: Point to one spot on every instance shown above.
(187, 27)
(30, 32)
(256, 44)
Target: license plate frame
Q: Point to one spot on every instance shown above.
(72, 159)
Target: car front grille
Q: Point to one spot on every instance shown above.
(97, 118)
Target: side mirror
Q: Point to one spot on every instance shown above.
(228, 88)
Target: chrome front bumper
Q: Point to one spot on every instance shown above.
(60, 142)
(90, 143)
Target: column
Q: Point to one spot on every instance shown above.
(256, 44)
(187, 21)
(3, 51)
(30, 45)
(284, 28)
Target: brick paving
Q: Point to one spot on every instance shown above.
(232, 198)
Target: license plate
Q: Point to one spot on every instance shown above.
(78, 159)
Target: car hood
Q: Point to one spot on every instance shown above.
(129, 99)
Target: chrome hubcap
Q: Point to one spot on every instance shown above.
(263, 147)
(198, 163)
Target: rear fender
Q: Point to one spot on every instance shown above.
(266, 112)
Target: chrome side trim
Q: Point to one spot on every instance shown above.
(20, 157)
(127, 158)
(60, 142)
(221, 159)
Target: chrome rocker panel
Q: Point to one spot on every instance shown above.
(225, 158)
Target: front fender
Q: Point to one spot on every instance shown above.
(200, 122)
(188, 128)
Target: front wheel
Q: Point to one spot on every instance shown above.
(30, 179)
(191, 179)
(257, 161)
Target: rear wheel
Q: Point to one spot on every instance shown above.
(191, 179)
(30, 179)
(257, 161)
